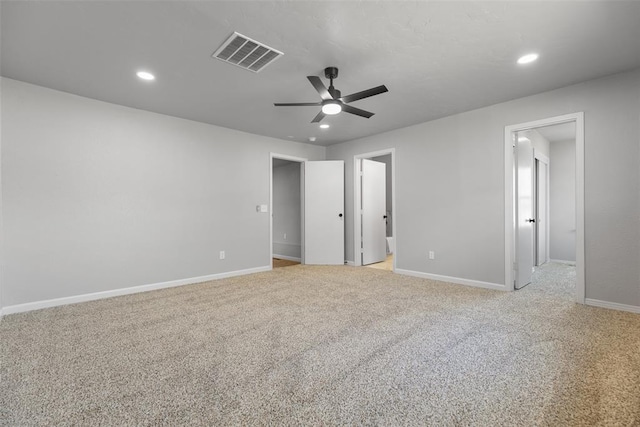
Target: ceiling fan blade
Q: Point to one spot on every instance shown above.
(322, 90)
(318, 118)
(298, 104)
(356, 111)
(365, 94)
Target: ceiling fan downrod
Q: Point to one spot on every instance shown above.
(332, 73)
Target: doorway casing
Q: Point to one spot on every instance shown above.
(509, 225)
(357, 224)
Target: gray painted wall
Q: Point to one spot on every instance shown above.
(450, 186)
(539, 143)
(562, 201)
(287, 210)
(100, 197)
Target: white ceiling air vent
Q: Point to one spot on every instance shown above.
(243, 52)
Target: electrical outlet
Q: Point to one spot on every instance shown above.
(432, 255)
(285, 236)
(222, 255)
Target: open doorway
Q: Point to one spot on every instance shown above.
(286, 211)
(374, 213)
(306, 224)
(544, 199)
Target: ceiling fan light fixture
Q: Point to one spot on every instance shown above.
(331, 107)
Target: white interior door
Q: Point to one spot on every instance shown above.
(374, 206)
(324, 212)
(541, 216)
(524, 211)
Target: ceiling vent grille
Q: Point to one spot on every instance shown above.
(245, 53)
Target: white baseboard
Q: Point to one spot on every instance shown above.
(350, 263)
(612, 305)
(275, 242)
(562, 261)
(37, 305)
(287, 257)
(456, 280)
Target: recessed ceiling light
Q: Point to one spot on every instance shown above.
(324, 126)
(528, 58)
(145, 75)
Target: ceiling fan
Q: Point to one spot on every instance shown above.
(332, 100)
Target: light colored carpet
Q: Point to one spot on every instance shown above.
(309, 345)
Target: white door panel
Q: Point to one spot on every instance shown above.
(324, 212)
(524, 211)
(374, 206)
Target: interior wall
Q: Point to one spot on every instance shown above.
(450, 186)
(539, 143)
(100, 197)
(562, 201)
(386, 159)
(287, 211)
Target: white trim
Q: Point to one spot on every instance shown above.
(350, 263)
(562, 261)
(456, 280)
(509, 234)
(357, 260)
(2, 285)
(540, 156)
(287, 257)
(300, 160)
(612, 305)
(37, 305)
(581, 267)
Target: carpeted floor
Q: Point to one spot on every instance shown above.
(308, 345)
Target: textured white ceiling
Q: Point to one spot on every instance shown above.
(436, 58)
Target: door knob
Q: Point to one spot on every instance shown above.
(384, 217)
(530, 220)
(340, 215)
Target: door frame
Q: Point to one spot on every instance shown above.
(357, 238)
(300, 160)
(509, 197)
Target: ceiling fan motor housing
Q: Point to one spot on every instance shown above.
(331, 72)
